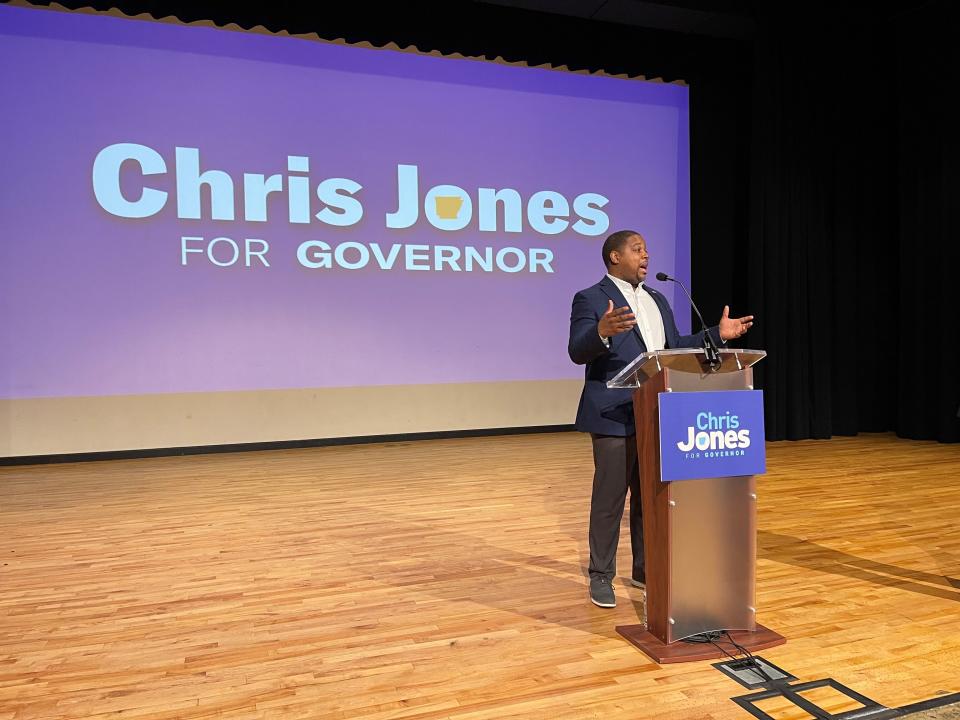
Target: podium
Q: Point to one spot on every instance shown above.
(699, 534)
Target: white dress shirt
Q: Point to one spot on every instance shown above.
(647, 312)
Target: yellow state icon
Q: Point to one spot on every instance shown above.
(448, 206)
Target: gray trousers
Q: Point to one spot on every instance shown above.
(615, 471)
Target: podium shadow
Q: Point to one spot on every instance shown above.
(812, 556)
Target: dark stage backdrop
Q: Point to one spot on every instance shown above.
(824, 168)
(852, 245)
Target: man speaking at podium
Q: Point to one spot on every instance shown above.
(610, 324)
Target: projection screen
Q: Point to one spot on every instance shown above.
(214, 236)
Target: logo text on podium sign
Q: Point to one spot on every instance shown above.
(711, 434)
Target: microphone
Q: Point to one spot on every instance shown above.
(709, 347)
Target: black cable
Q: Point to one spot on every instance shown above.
(704, 637)
(710, 638)
(751, 659)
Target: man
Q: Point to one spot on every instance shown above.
(610, 324)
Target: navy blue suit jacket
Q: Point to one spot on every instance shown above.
(603, 410)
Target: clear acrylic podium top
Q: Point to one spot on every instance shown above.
(689, 360)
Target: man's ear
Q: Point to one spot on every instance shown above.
(614, 257)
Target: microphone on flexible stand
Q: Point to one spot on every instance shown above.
(709, 347)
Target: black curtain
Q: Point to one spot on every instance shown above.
(849, 249)
(928, 199)
(823, 182)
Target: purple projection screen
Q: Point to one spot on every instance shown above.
(188, 209)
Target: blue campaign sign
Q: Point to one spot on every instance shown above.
(711, 434)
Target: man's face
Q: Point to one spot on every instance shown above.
(630, 261)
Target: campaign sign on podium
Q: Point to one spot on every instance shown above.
(711, 434)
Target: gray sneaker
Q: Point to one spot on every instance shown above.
(601, 593)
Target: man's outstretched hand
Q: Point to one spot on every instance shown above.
(732, 328)
(615, 321)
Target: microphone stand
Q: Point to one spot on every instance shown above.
(710, 350)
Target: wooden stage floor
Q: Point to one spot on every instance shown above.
(445, 579)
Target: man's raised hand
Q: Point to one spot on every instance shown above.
(731, 328)
(615, 321)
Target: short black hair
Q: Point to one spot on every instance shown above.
(616, 241)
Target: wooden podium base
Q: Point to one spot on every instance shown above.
(678, 652)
